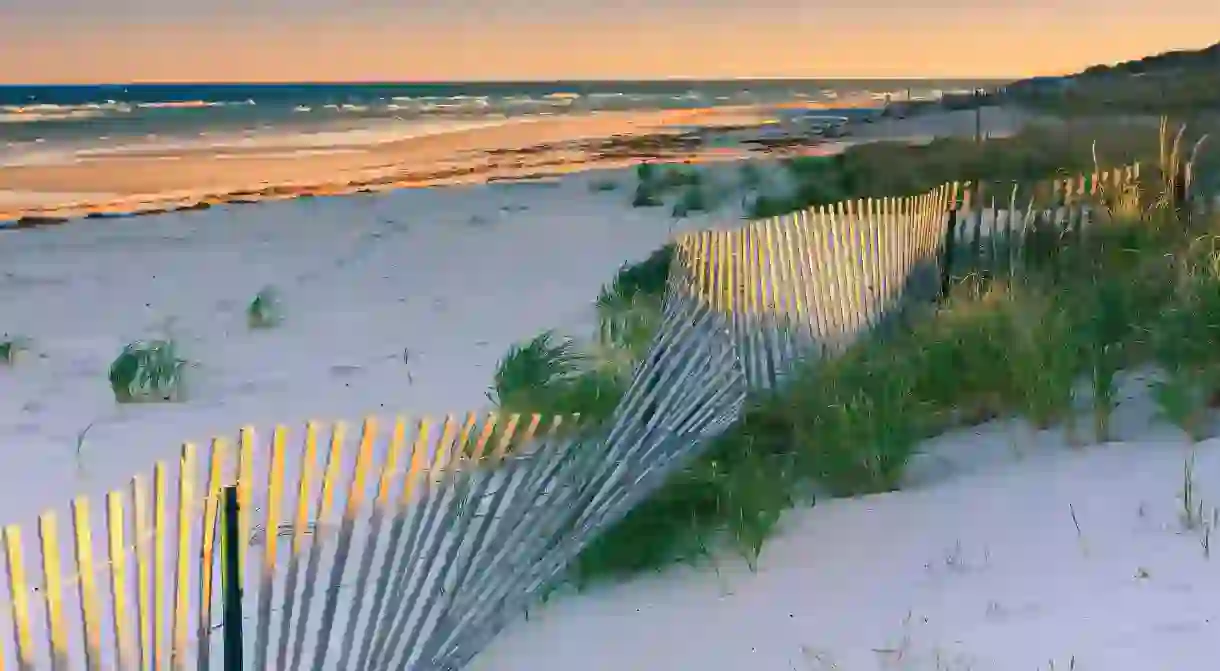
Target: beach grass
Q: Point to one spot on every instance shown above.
(265, 309)
(147, 371)
(589, 374)
(1024, 161)
(11, 347)
(1141, 290)
(1177, 92)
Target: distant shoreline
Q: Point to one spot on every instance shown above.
(156, 182)
(149, 182)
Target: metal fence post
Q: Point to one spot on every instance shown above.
(230, 576)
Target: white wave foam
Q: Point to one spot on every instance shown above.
(48, 112)
(182, 104)
(37, 112)
(292, 140)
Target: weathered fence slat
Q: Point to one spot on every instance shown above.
(90, 613)
(182, 564)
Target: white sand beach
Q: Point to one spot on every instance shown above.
(1010, 550)
(396, 304)
(451, 276)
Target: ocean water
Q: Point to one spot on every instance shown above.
(55, 124)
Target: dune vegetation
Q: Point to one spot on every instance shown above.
(1140, 291)
(1183, 83)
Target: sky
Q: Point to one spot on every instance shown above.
(120, 41)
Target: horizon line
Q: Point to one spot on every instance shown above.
(369, 82)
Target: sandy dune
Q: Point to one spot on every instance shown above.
(1009, 551)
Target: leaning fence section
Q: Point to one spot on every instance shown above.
(407, 545)
(810, 283)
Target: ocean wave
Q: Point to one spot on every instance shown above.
(187, 104)
(460, 105)
(47, 112)
(67, 115)
(40, 112)
(291, 140)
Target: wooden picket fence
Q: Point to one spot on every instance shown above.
(447, 529)
(993, 237)
(812, 282)
(408, 549)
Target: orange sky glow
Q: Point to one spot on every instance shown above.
(630, 39)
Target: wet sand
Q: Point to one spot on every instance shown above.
(156, 181)
(139, 181)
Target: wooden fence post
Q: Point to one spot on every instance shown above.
(230, 577)
(946, 263)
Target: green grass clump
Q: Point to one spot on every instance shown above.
(645, 173)
(749, 176)
(855, 420)
(556, 375)
(648, 277)
(647, 191)
(10, 347)
(147, 371)
(1045, 360)
(693, 199)
(265, 310)
(1186, 345)
(655, 181)
(552, 375)
(735, 492)
(646, 195)
(765, 206)
(678, 176)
